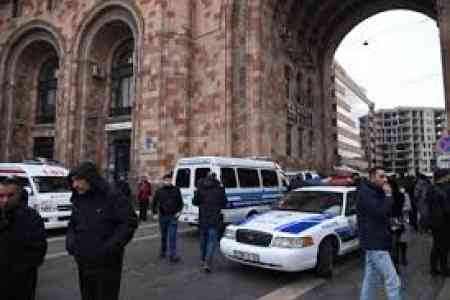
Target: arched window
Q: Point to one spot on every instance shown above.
(47, 87)
(122, 85)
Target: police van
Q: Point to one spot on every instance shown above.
(47, 189)
(251, 186)
(306, 229)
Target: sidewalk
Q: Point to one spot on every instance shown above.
(417, 283)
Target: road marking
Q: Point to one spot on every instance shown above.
(142, 238)
(62, 238)
(299, 288)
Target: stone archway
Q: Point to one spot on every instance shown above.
(297, 41)
(27, 52)
(109, 27)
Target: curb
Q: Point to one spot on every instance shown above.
(444, 294)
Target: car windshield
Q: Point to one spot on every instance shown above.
(322, 202)
(51, 184)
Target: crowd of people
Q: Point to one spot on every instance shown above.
(104, 220)
(102, 223)
(389, 210)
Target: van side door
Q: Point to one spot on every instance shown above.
(271, 186)
(250, 189)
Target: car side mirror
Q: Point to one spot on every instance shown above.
(29, 191)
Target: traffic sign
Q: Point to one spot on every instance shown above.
(443, 144)
(443, 161)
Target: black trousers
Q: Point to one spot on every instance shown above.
(143, 208)
(439, 251)
(20, 286)
(100, 283)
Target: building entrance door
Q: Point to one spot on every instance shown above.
(119, 154)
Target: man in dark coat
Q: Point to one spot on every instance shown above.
(101, 225)
(437, 199)
(374, 212)
(168, 203)
(23, 242)
(210, 197)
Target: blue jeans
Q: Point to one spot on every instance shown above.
(379, 267)
(168, 226)
(208, 243)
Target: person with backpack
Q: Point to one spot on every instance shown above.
(438, 220)
(144, 194)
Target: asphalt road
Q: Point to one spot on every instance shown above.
(146, 276)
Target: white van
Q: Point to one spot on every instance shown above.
(251, 186)
(47, 189)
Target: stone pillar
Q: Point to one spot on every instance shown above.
(443, 7)
(175, 96)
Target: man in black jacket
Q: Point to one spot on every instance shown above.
(168, 203)
(210, 197)
(23, 242)
(101, 225)
(437, 200)
(374, 212)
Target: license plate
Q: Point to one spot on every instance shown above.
(246, 256)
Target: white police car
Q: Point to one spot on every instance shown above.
(306, 229)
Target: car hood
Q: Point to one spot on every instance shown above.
(285, 221)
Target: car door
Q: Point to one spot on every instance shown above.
(351, 241)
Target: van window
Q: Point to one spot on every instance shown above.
(201, 173)
(51, 184)
(183, 178)
(269, 178)
(228, 177)
(248, 178)
(24, 181)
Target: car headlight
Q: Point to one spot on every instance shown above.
(47, 206)
(230, 233)
(292, 242)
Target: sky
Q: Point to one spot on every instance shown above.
(401, 65)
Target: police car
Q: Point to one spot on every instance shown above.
(306, 229)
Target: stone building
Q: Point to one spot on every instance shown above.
(136, 84)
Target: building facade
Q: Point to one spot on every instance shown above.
(136, 84)
(406, 138)
(352, 104)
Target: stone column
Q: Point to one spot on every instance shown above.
(443, 7)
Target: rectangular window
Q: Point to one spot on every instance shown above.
(183, 178)
(248, 178)
(288, 140)
(228, 177)
(269, 178)
(16, 8)
(201, 173)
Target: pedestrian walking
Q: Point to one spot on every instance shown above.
(373, 211)
(123, 187)
(144, 194)
(420, 198)
(397, 222)
(211, 199)
(168, 203)
(405, 238)
(23, 242)
(439, 209)
(101, 225)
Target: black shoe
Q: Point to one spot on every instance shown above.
(434, 272)
(174, 259)
(206, 268)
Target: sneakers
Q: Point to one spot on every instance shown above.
(206, 268)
